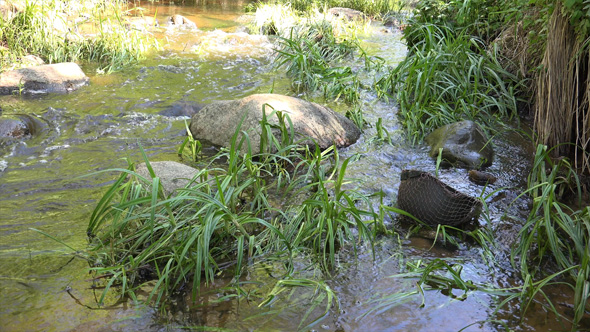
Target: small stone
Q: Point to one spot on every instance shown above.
(481, 178)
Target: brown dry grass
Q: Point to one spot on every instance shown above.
(562, 100)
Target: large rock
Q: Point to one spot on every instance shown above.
(464, 144)
(60, 77)
(19, 126)
(218, 121)
(173, 175)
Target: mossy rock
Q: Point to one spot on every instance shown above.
(464, 144)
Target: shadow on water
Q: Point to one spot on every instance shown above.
(42, 187)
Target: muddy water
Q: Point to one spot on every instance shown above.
(45, 185)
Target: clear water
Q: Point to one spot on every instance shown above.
(45, 185)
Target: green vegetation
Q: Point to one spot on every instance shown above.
(312, 49)
(225, 220)
(555, 234)
(374, 8)
(451, 73)
(457, 68)
(47, 29)
(308, 55)
(448, 78)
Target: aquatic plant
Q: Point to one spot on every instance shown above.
(554, 232)
(448, 77)
(224, 219)
(41, 29)
(356, 115)
(310, 54)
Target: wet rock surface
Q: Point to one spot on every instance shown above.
(173, 175)
(464, 145)
(13, 128)
(218, 121)
(19, 126)
(60, 77)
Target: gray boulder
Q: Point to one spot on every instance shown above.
(173, 175)
(60, 77)
(464, 144)
(218, 121)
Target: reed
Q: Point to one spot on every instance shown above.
(555, 234)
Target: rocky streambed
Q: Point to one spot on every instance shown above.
(56, 140)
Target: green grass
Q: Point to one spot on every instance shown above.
(374, 8)
(311, 49)
(224, 219)
(555, 235)
(41, 29)
(446, 79)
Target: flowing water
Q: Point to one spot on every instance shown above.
(45, 185)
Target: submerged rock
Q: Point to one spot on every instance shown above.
(173, 175)
(60, 77)
(218, 121)
(481, 178)
(184, 109)
(13, 128)
(464, 144)
(19, 126)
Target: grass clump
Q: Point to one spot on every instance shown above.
(226, 219)
(555, 235)
(446, 79)
(313, 49)
(48, 29)
(451, 73)
(309, 56)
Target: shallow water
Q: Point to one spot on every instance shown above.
(45, 185)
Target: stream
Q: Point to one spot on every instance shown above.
(49, 183)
